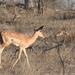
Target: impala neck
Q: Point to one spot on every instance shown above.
(33, 38)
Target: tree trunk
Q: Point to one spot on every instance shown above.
(40, 6)
(26, 4)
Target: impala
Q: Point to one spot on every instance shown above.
(18, 39)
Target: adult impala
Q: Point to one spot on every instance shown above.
(18, 39)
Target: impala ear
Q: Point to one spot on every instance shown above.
(40, 28)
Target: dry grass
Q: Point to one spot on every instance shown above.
(48, 63)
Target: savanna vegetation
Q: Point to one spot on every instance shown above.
(55, 55)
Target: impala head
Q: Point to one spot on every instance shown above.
(38, 31)
(62, 33)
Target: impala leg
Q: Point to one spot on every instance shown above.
(26, 57)
(1, 50)
(18, 58)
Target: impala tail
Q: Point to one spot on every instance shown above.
(1, 40)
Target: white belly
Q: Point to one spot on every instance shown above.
(15, 44)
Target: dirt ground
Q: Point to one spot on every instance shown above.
(55, 60)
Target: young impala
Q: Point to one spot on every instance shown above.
(18, 39)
